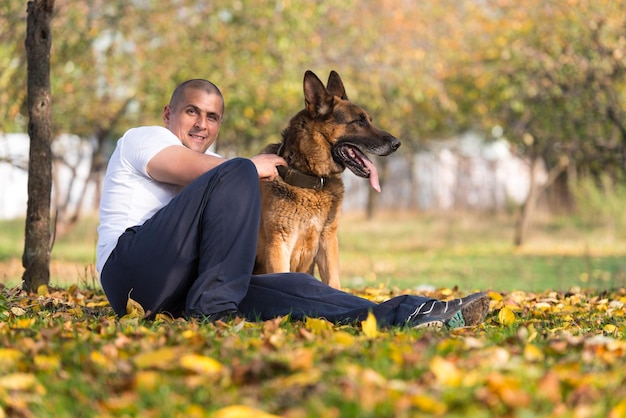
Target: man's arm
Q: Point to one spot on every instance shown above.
(180, 165)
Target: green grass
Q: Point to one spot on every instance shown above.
(476, 252)
(468, 251)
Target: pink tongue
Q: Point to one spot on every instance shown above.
(373, 174)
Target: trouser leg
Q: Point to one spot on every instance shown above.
(197, 253)
(301, 295)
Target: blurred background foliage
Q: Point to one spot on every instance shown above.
(549, 75)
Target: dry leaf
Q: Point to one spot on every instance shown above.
(133, 309)
(429, 404)
(241, 411)
(50, 363)
(147, 380)
(17, 311)
(343, 338)
(532, 353)
(506, 316)
(162, 358)
(18, 381)
(370, 326)
(318, 326)
(9, 358)
(201, 364)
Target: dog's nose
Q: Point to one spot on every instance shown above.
(394, 143)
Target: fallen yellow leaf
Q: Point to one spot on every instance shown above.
(428, 404)
(318, 325)
(147, 380)
(343, 338)
(533, 353)
(49, 363)
(495, 296)
(24, 323)
(241, 411)
(506, 316)
(9, 358)
(162, 358)
(201, 364)
(42, 290)
(133, 309)
(370, 326)
(445, 371)
(163, 317)
(18, 381)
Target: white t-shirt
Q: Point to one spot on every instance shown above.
(130, 196)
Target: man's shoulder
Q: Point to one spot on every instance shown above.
(148, 137)
(149, 131)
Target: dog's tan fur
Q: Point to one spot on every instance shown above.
(299, 224)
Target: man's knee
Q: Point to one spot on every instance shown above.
(241, 171)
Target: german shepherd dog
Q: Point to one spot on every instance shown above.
(300, 209)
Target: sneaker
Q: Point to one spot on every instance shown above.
(458, 313)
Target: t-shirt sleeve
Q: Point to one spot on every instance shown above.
(141, 144)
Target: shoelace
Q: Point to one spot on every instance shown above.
(418, 311)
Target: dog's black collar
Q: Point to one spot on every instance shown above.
(299, 179)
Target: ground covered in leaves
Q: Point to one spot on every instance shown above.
(63, 353)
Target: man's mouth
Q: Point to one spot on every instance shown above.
(197, 137)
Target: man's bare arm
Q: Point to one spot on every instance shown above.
(180, 165)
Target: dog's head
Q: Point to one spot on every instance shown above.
(346, 126)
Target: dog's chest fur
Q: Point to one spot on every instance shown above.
(302, 211)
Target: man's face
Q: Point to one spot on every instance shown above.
(196, 119)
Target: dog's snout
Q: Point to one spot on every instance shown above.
(394, 143)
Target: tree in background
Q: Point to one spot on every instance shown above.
(551, 74)
(36, 257)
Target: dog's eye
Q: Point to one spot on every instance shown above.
(361, 121)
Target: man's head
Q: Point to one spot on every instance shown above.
(194, 113)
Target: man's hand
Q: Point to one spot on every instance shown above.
(266, 165)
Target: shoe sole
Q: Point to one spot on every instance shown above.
(472, 313)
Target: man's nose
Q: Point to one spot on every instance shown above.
(200, 122)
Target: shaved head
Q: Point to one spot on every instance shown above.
(195, 84)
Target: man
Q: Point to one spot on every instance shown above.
(178, 232)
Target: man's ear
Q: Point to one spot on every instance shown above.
(166, 115)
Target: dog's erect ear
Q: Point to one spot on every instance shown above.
(335, 86)
(318, 101)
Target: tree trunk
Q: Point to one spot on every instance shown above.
(36, 257)
(534, 193)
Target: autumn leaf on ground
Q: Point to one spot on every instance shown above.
(318, 325)
(445, 371)
(201, 364)
(133, 309)
(370, 326)
(241, 411)
(162, 358)
(506, 316)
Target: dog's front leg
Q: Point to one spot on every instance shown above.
(277, 257)
(327, 258)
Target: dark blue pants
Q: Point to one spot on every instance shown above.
(196, 255)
